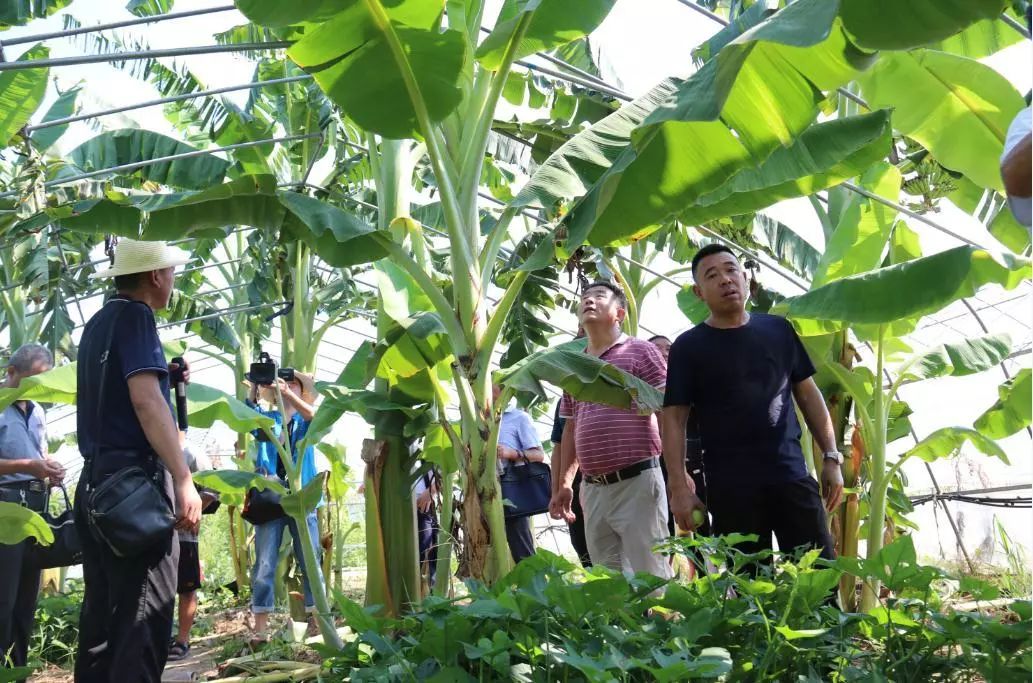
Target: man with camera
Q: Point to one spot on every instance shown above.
(133, 468)
(26, 473)
(298, 394)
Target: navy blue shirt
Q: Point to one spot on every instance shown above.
(558, 423)
(740, 381)
(135, 348)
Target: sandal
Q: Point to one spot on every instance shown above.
(178, 651)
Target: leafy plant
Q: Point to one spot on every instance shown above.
(549, 620)
(55, 634)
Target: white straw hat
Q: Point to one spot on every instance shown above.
(134, 256)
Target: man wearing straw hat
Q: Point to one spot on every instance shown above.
(125, 418)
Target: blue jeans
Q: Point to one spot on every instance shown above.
(268, 538)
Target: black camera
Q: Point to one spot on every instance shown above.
(286, 374)
(263, 371)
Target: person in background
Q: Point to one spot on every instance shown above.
(518, 445)
(26, 475)
(427, 526)
(622, 492)
(740, 372)
(128, 603)
(1016, 164)
(298, 401)
(576, 527)
(663, 344)
(189, 575)
(693, 450)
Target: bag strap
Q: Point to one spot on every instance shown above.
(64, 492)
(102, 382)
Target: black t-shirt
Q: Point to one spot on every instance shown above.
(740, 381)
(135, 348)
(558, 423)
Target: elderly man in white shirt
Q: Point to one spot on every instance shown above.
(26, 474)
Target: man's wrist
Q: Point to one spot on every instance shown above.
(682, 486)
(834, 457)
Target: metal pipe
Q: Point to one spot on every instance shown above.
(171, 157)
(575, 80)
(116, 24)
(165, 100)
(1023, 31)
(724, 22)
(141, 54)
(564, 65)
(986, 330)
(226, 311)
(936, 483)
(908, 212)
(705, 12)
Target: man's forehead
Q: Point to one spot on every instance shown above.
(717, 259)
(597, 289)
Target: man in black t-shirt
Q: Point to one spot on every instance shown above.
(740, 372)
(125, 419)
(577, 527)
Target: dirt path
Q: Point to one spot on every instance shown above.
(224, 639)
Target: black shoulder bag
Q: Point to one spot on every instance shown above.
(528, 487)
(127, 511)
(66, 550)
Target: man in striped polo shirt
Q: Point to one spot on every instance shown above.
(622, 492)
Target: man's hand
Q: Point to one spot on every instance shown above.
(285, 388)
(425, 502)
(831, 484)
(507, 453)
(683, 501)
(188, 506)
(173, 367)
(559, 506)
(45, 468)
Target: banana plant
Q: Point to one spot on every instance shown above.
(433, 91)
(881, 304)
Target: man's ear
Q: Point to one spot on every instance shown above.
(622, 313)
(698, 292)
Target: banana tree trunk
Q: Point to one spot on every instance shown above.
(443, 572)
(240, 569)
(392, 551)
(875, 440)
(392, 548)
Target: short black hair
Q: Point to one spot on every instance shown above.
(657, 337)
(709, 250)
(128, 282)
(616, 289)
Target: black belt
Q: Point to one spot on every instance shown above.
(108, 461)
(29, 494)
(621, 474)
(34, 485)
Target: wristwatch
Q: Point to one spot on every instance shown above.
(834, 455)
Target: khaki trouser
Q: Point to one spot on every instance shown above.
(623, 521)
